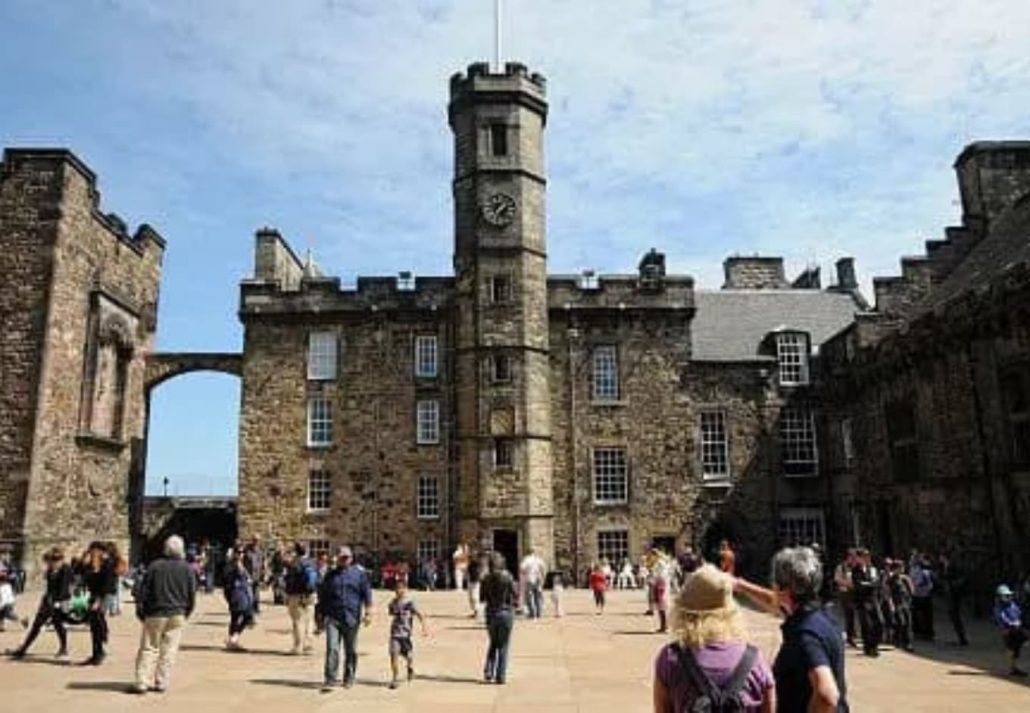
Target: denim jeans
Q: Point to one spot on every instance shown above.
(336, 632)
(534, 601)
(498, 626)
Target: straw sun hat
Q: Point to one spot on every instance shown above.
(705, 611)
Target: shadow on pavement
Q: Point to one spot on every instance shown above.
(443, 678)
(109, 686)
(222, 649)
(287, 683)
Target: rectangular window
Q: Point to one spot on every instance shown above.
(613, 546)
(428, 497)
(425, 357)
(797, 442)
(1015, 389)
(428, 425)
(428, 550)
(846, 444)
(501, 369)
(319, 490)
(500, 289)
(317, 548)
(801, 526)
(499, 139)
(611, 482)
(321, 356)
(320, 421)
(504, 454)
(792, 354)
(715, 457)
(606, 373)
(903, 439)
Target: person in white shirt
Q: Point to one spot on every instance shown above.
(533, 570)
(461, 565)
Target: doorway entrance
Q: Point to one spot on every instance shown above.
(506, 542)
(665, 543)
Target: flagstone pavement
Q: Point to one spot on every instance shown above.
(580, 662)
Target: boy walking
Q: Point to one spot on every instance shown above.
(402, 611)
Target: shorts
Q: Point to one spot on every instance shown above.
(401, 647)
(1014, 639)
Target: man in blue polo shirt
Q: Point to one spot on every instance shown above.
(809, 668)
(344, 602)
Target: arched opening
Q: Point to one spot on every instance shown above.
(190, 479)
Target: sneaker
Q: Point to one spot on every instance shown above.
(16, 654)
(327, 687)
(62, 654)
(1017, 672)
(137, 690)
(348, 682)
(393, 684)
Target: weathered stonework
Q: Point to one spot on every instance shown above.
(82, 312)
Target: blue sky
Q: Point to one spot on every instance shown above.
(808, 129)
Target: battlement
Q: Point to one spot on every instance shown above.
(44, 169)
(514, 86)
(619, 292)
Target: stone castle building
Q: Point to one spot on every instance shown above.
(583, 416)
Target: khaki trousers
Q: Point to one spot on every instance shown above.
(158, 645)
(299, 606)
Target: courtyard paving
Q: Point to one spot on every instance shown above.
(581, 662)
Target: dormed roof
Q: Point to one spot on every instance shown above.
(729, 325)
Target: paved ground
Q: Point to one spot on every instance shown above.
(578, 663)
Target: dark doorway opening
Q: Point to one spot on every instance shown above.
(665, 543)
(506, 542)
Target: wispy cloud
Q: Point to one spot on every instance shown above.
(807, 128)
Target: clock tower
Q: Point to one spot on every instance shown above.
(503, 491)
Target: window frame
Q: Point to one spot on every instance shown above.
(495, 376)
(427, 356)
(420, 549)
(602, 481)
(319, 546)
(326, 420)
(799, 344)
(424, 435)
(604, 369)
(607, 532)
(509, 443)
(427, 499)
(806, 515)
(847, 443)
(792, 466)
(705, 446)
(498, 130)
(327, 358)
(502, 289)
(325, 491)
(1014, 383)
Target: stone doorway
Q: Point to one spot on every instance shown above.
(506, 542)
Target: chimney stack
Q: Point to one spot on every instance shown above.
(846, 274)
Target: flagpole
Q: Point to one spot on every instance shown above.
(497, 36)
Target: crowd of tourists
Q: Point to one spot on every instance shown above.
(709, 664)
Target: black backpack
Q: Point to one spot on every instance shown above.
(711, 698)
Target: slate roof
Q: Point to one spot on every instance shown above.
(1006, 245)
(729, 325)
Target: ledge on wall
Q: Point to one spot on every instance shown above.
(95, 440)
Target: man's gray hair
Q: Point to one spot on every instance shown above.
(798, 570)
(175, 548)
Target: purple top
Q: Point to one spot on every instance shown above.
(717, 660)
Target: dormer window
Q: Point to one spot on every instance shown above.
(792, 355)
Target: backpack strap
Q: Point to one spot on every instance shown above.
(737, 681)
(698, 678)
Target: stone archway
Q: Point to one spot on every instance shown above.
(160, 367)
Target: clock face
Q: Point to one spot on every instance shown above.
(499, 209)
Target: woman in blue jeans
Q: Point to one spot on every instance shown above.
(497, 592)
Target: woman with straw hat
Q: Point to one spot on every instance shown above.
(710, 656)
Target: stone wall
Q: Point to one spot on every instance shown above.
(89, 422)
(374, 461)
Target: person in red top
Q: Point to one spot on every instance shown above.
(598, 584)
(727, 560)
